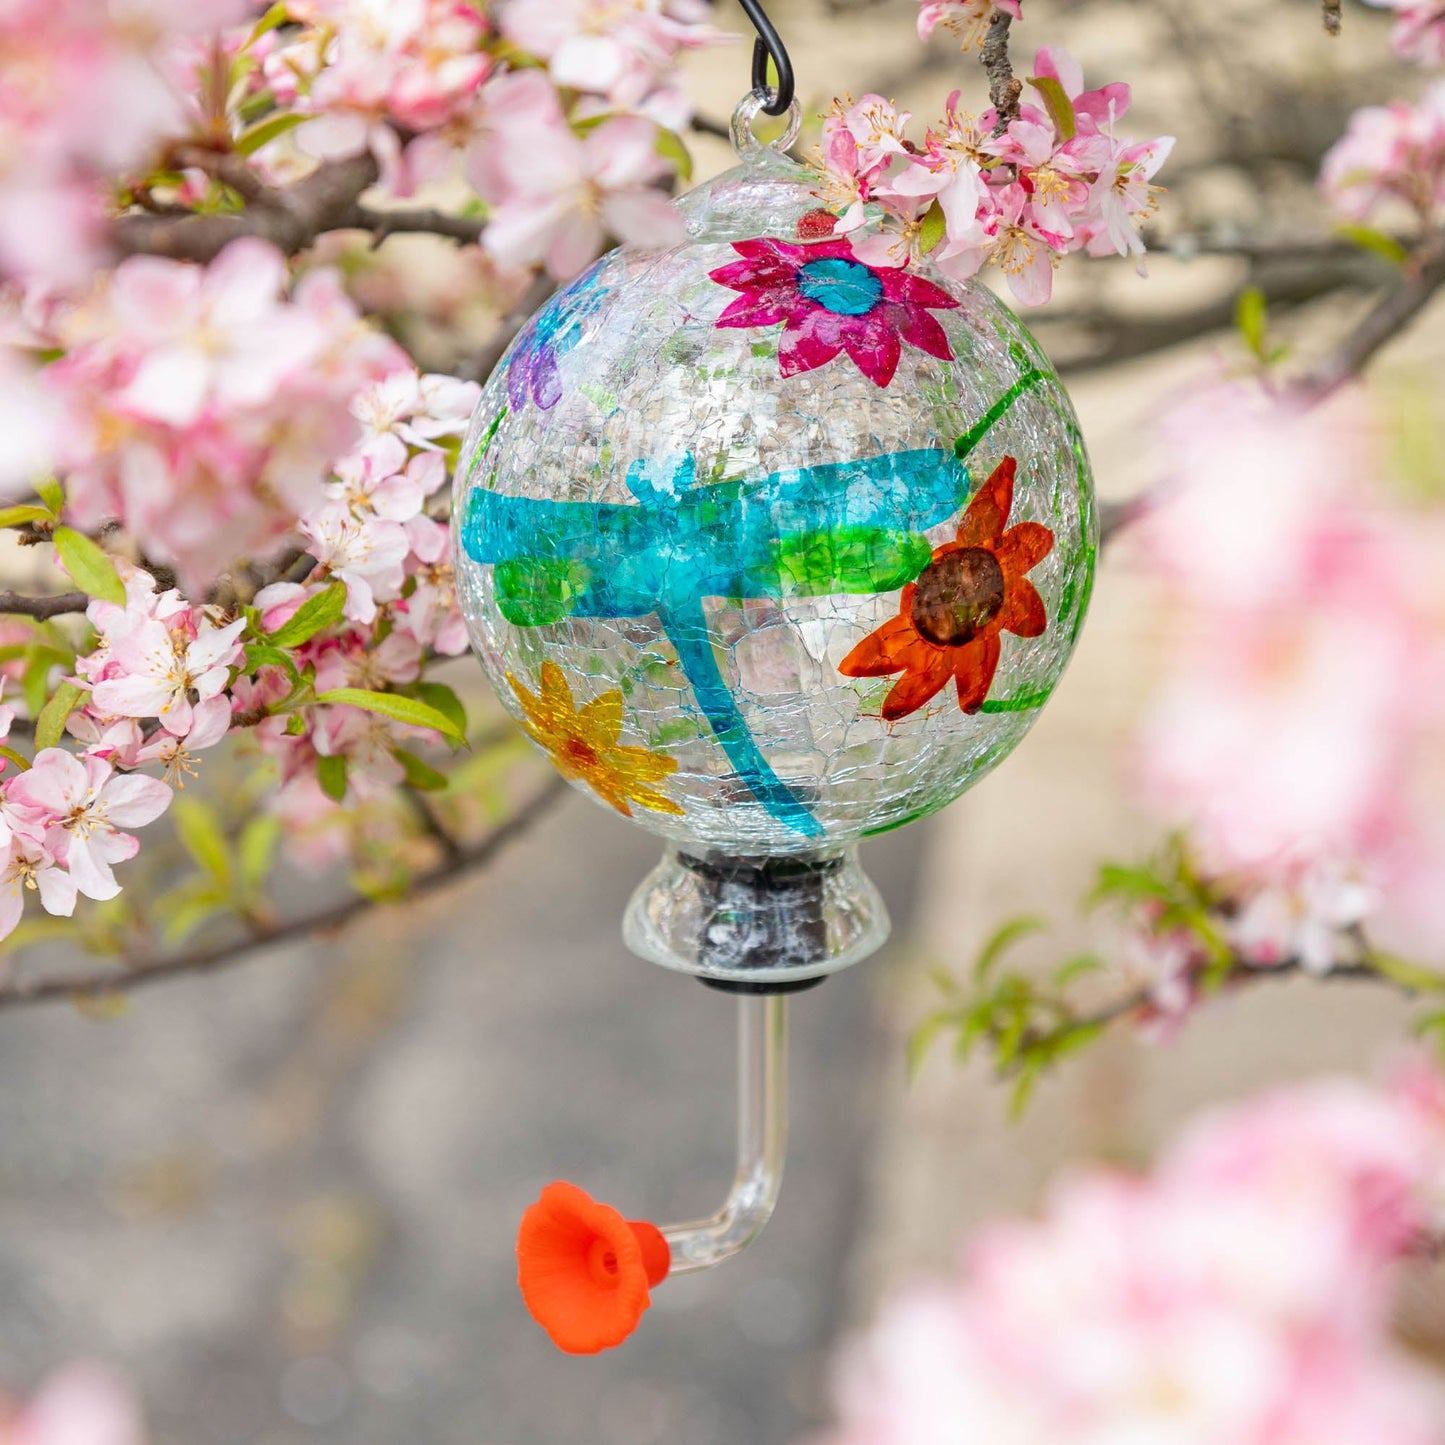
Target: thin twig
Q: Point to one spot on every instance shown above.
(1332, 12)
(1386, 319)
(1003, 88)
(421, 219)
(130, 974)
(42, 607)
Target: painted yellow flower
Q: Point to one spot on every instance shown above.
(585, 744)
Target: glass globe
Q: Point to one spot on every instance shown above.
(772, 550)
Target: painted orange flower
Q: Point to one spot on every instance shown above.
(586, 1272)
(584, 743)
(950, 617)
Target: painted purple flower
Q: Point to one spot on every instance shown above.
(551, 334)
(830, 301)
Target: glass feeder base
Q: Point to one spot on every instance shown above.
(755, 924)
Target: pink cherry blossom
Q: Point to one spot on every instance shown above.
(367, 553)
(622, 51)
(86, 804)
(231, 401)
(1393, 153)
(968, 19)
(556, 197)
(1419, 32)
(161, 672)
(1240, 1293)
(79, 1405)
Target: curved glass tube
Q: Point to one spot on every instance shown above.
(762, 1142)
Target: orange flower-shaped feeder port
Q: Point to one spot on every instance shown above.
(586, 1272)
(950, 617)
(584, 744)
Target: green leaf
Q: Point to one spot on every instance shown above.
(921, 1040)
(445, 701)
(52, 494)
(671, 147)
(273, 19)
(1074, 968)
(89, 566)
(265, 131)
(419, 774)
(397, 707)
(1057, 103)
(1367, 238)
(1251, 317)
(932, 228)
(23, 515)
(1401, 971)
(50, 725)
(1003, 939)
(331, 774)
(314, 614)
(261, 654)
(199, 830)
(11, 756)
(256, 849)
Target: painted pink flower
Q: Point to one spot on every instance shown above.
(829, 301)
(85, 804)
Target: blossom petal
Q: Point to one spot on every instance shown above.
(57, 891)
(90, 871)
(132, 800)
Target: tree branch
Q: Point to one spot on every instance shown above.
(132, 974)
(43, 607)
(422, 219)
(292, 219)
(1391, 314)
(1003, 89)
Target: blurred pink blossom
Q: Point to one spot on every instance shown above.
(1392, 152)
(556, 197)
(203, 405)
(1419, 32)
(79, 1405)
(1239, 1296)
(1303, 687)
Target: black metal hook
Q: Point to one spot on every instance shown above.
(769, 43)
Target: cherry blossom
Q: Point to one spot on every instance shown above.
(1419, 32)
(79, 1405)
(557, 197)
(1239, 1293)
(623, 52)
(84, 804)
(1390, 154)
(969, 19)
(231, 400)
(1019, 199)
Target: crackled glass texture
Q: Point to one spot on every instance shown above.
(768, 548)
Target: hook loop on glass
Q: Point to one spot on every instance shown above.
(745, 143)
(769, 43)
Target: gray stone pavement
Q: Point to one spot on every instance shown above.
(283, 1198)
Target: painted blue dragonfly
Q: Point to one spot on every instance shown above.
(851, 526)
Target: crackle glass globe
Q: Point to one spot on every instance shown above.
(771, 548)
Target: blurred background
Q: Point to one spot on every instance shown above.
(282, 1198)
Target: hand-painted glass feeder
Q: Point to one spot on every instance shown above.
(771, 550)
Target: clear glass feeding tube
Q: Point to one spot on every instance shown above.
(762, 1142)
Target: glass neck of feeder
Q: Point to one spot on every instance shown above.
(761, 1143)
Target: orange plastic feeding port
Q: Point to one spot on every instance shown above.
(586, 1272)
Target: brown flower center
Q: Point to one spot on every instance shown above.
(957, 596)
